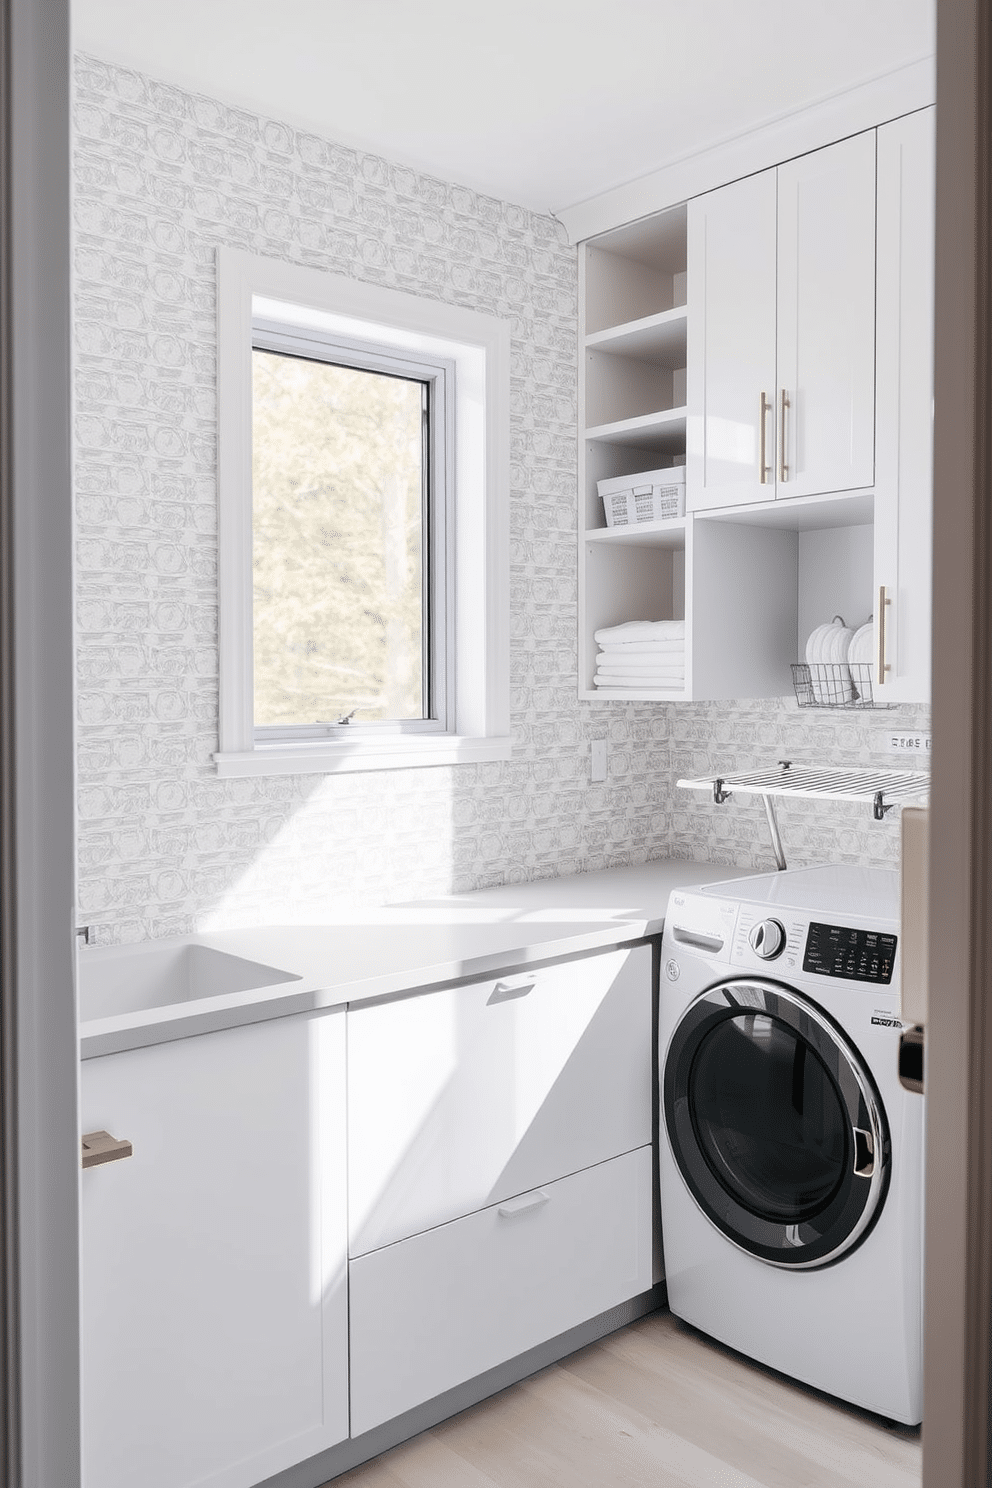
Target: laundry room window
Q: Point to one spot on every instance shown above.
(349, 518)
(363, 542)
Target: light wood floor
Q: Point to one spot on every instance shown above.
(656, 1405)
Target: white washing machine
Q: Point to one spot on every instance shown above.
(791, 1154)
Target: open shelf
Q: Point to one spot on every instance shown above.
(654, 338)
(663, 431)
(668, 533)
(636, 271)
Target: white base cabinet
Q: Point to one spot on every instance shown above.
(497, 1139)
(443, 1307)
(463, 1097)
(215, 1317)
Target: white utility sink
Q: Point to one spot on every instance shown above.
(117, 980)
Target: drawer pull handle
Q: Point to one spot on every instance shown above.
(522, 1205)
(505, 991)
(100, 1147)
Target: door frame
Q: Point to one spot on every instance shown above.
(39, 1151)
(39, 1294)
(958, 1304)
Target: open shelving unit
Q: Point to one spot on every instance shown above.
(632, 393)
(751, 581)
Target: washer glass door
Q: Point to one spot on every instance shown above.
(775, 1123)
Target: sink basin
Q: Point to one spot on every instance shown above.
(116, 980)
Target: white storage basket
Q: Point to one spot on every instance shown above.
(650, 496)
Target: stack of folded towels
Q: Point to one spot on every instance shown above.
(642, 653)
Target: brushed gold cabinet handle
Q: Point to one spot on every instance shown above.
(783, 469)
(100, 1147)
(764, 469)
(883, 602)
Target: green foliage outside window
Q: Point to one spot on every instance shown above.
(337, 543)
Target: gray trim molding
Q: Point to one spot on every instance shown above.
(40, 1145)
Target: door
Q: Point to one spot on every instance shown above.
(826, 320)
(775, 1124)
(730, 344)
(904, 477)
(213, 1260)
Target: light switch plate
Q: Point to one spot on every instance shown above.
(915, 744)
(598, 762)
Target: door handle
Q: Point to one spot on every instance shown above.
(100, 1147)
(911, 1059)
(864, 1153)
(783, 469)
(764, 469)
(505, 991)
(523, 1204)
(883, 602)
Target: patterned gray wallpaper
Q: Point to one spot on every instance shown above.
(162, 177)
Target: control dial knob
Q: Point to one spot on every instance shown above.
(767, 939)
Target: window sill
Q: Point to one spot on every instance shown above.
(366, 754)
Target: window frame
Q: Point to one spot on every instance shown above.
(310, 305)
(436, 511)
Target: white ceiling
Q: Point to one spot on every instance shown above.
(541, 102)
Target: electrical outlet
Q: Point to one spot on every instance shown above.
(916, 744)
(598, 763)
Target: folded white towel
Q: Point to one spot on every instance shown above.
(643, 648)
(642, 630)
(626, 676)
(641, 663)
(636, 684)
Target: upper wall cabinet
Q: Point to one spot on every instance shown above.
(781, 338)
(730, 373)
(903, 485)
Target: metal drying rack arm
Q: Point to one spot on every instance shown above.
(720, 795)
(883, 789)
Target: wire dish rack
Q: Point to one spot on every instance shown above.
(834, 685)
(882, 789)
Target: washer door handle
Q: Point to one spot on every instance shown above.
(864, 1153)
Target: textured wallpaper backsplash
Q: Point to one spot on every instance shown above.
(162, 177)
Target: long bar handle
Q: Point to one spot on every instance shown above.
(764, 409)
(100, 1147)
(783, 469)
(883, 665)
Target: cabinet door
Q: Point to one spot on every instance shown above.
(904, 485)
(458, 1099)
(730, 344)
(826, 320)
(433, 1311)
(213, 1260)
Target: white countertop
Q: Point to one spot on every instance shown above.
(404, 948)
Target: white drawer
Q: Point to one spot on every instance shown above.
(460, 1098)
(440, 1308)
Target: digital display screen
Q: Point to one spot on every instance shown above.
(855, 955)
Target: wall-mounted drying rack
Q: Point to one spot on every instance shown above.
(884, 789)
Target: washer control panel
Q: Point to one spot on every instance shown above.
(854, 955)
(761, 938)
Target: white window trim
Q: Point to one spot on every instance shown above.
(478, 346)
